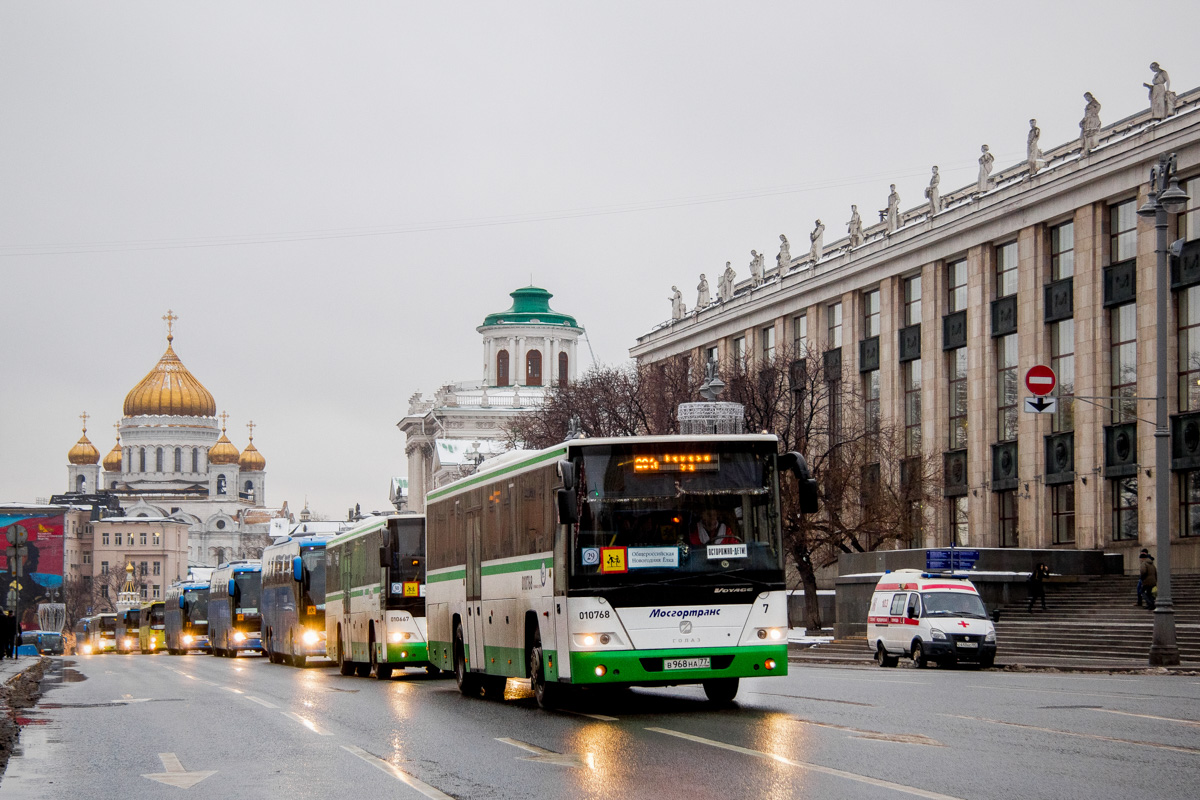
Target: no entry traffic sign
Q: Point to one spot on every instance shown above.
(1040, 380)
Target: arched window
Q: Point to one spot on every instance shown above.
(195, 459)
(142, 453)
(562, 369)
(220, 484)
(113, 485)
(248, 492)
(80, 484)
(158, 460)
(502, 368)
(179, 459)
(533, 368)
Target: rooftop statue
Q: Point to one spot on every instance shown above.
(725, 287)
(931, 192)
(784, 259)
(985, 169)
(1162, 99)
(893, 211)
(854, 228)
(1033, 153)
(702, 298)
(817, 237)
(1089, 126)
(756, 267)
(678, 309)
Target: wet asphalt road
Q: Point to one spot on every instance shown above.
(821, 732)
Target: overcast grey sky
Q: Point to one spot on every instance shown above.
(332, 196)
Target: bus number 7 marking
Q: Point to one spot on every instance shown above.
(765, 608)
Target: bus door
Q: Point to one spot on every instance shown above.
(474, 592)
(347, 586)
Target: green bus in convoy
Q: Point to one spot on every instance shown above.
(639, 561)
(375, 596)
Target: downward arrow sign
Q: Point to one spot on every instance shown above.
(544, 756)
(1040, 405)
(175, 774)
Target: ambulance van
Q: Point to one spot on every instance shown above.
(929, 618)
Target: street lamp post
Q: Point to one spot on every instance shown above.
(1165, 198)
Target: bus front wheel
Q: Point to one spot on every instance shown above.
(468, 682)
(345, 665)
(548, 694)
(721, 691)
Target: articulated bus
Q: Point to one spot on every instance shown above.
(129, 630)
(641, 561)
(150, 634)
(234, 622)
(375, 596)
(102, 633)
(293, 600)
(186, 612)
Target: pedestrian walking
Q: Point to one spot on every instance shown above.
(1149, 575)
(1144, 554)
(1037, 589)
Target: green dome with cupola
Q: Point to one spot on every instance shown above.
(531, 306)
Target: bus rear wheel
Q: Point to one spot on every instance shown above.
(345, 665)
(721, 690)
(468, 682)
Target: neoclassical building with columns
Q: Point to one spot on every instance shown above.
(939, 311)
(526, 349)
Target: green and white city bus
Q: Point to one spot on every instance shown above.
(640, 561)
(375, 596)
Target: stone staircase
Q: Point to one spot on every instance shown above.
(1089, 621)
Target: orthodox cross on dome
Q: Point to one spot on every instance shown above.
(117, 428)
(170, 319)
(250, 425)
(84, 416)
(224, 419)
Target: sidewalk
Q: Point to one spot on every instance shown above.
(854, 652)
(11, 667)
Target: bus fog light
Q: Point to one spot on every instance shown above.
(239, 637)
(762, 633)
(404, 654)
(188, 639)
(770, 663)
(776, 634)
(604, 638)
(310, 637)
(600, 671)
(153, 644)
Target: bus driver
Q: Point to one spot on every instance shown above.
(710, 529)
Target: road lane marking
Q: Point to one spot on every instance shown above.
(260, 701)
(231, 689)
(128, 699)
(601, 717)
(1148, 716)
(306, 722)
(1177, 748)
(817, 699)
(881, 680)
(900, 738)
(176, 775)
(396, 772)
(544, 756)
(898, 787)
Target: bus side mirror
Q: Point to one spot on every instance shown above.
(232, 587)
(566, 471)
(298, 569)
(568, 514)
(807, 486)
(183, 602)
(384, 559)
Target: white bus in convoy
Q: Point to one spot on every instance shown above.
(645, 561)
(375, 596)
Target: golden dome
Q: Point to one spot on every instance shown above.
(223, 452)
(170, 390)
(112, 461)
(84, 452)
(251, 459)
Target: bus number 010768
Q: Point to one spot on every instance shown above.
(593, 614)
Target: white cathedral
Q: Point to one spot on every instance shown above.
(173, 458)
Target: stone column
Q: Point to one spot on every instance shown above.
(981, 395)
(1032, 348)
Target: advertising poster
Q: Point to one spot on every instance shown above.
(42, 569)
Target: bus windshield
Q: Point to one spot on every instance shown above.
(314, 565)
(249, 586)
(107, 624)
(157, 617)
(197, 606)
(657, 512)
(133, 618)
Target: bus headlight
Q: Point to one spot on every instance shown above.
(153, 644)
(87, 649)
(188, 639)
(311, 637)
(239, 637)
(396, 636)
(589, 640)
(129, 643)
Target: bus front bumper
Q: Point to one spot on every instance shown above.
(408, 653)
(654, 667)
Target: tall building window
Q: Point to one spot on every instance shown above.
(912, 300)
(959, 533)
(195, 459)
(156, 594)
(104, 538)
(533, 368)
(739, 353)
(143, 538)
(1006, 270)
(144, 568)
(103, 567)
(142, 588)
(1189, 220)
(158, 460)
(800, 335)
(1007, 509)
(562, 369)
(1189, 347)
(1123, 325)
(104, 590)
(179, 459)
(221, 487)
(142, 459)
(1062, 513)
(1125, 508)
(117, 538)
(870, 313)
(502, 368)
(912, 408)
(1062, 251)
(158, 568)
(1006, 388)
(1062, 361)
(1189, 499)
(1122, 231)
(957, 363)
(871, 401)
(768, 344)
(956, 286)
(157, 538)
(834, 339)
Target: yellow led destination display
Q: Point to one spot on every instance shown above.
(677, 462)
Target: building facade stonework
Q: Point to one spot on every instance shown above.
(1051, 266)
